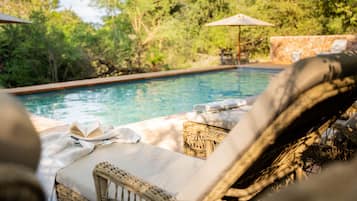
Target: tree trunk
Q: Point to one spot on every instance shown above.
(53, 67)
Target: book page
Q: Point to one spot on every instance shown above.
(86, 130)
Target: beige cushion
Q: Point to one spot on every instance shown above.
(19, 141)
(166, 169)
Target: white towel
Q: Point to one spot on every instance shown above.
(58, 151)
(233, 103)
(124, 135)
(219, 105)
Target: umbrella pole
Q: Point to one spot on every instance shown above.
(238, 47)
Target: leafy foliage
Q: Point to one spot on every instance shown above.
(148, 35)
(39, 53)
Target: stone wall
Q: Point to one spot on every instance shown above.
(287, 49)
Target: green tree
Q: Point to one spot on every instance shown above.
(338, 16)
(39, 53)
(139, 27)
(149, 35)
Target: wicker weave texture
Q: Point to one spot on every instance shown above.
(126, 186)
(200, 140)
(67, 194)
(343, 88)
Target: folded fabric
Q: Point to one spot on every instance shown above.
(226, 119)
(125, 135)
(58, 151)
(219, 105)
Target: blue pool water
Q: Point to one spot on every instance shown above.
(123, 103)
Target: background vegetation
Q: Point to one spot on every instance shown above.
(148, 35)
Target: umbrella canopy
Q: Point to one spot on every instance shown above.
(10, 19)
(239, 20)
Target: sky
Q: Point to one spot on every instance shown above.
(83, 10)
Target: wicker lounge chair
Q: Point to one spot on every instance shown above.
(201, 139)
(262, 149)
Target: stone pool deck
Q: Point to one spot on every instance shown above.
(43, 123)
(165, 132)
(264, 65)
(109, 80)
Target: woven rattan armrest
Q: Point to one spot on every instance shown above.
(126, 185)
(65, 193)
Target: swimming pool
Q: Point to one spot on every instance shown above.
(123, 103)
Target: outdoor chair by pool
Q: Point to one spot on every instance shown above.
(262, 149)
(202, 137)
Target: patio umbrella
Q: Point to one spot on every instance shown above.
(239, 20)
(6, 19)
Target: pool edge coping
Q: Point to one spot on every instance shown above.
(100, 81)
(126, 78)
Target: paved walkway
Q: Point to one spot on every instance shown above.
(108, 80)
(42, 123)
(265, 65)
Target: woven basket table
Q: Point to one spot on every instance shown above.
(204, 131)
(200, 140)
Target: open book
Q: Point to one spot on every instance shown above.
(89, 131)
